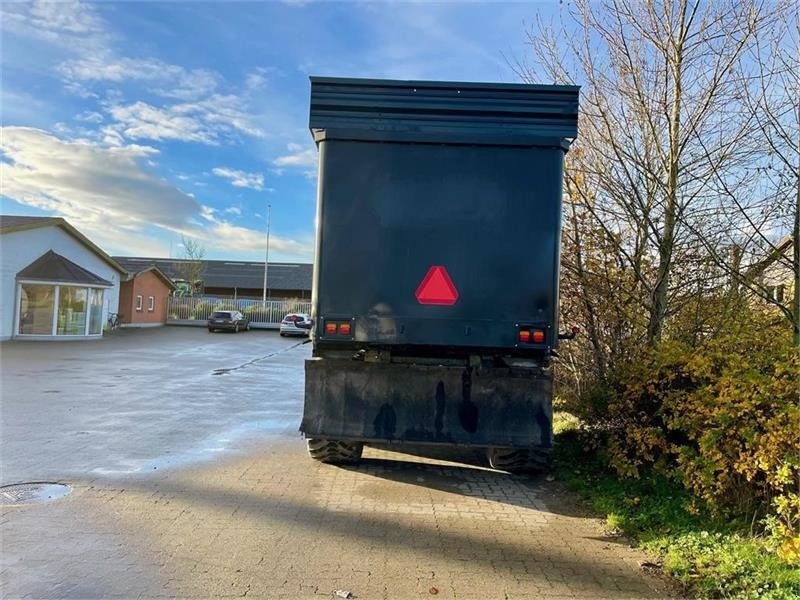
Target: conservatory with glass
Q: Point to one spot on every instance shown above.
(60, 299)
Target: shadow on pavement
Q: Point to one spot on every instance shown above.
(524, 491)
(373, 530)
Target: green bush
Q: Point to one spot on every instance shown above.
(722, 418)
(202, 310)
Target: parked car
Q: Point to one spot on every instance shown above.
(231, 320)
(296, 324)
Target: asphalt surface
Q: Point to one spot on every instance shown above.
(189, 479)
(144, 400)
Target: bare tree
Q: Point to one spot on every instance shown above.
(661, 124)
(192, 267)
(761, 215)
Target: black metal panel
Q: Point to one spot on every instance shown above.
(489, 215)
(476, 109)
(354, 400)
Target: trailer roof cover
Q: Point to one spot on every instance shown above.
(380, 109)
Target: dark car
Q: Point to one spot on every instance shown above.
(231, 320)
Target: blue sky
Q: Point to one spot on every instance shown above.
(145, 122)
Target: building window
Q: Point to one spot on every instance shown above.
(36, 307)
(71, 311)
(60, 310)
(95, 311)
(138, 303)
(151, 304)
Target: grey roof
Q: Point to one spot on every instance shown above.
(18, 221)
(230, 273)
(54, 267)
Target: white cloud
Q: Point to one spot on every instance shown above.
(255, 80)
(70, 17)
(233, 210)
(171, 81)
(59, 30)
(227, 236)
(242, 179)
(105, 192)
(70, 25)
(89, 116)
(207, 121)
(207, 213)
(224, 235)
(98, 188)
(197, 110)
(144, 121)
(299, 156)
(224, 113)
(78, 29)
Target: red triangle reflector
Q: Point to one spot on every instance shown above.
(437, 288)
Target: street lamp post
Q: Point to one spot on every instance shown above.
(266, 257)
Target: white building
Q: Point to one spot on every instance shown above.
(54, 282)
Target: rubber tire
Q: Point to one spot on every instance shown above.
(247, 327)
(334, 452)
(210, 330)
(282, 334)
(236, 328)
(520, 460)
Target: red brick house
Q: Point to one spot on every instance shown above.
(143, 298)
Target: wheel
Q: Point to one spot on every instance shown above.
(236, 328)
(247, 327)
(335, 451)
(520, 460)
(283, 334)
(210, 330)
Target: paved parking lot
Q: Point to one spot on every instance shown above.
(189, 479)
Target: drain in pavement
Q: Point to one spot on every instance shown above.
(34, 492)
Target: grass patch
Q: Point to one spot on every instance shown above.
(713, 558)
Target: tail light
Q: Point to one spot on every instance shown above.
(338, 329)
(531, 335)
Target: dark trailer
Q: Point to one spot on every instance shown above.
(435, 292)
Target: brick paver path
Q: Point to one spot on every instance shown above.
(275, 524)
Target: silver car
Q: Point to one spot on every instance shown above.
(296, 324)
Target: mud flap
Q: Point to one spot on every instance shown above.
(354, 400)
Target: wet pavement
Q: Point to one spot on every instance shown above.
(143, 400)
(189, 479)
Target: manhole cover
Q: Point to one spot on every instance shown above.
(32, 493)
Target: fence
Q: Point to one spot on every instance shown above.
(195, 310)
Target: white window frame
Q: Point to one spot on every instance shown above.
(780, 293)
(139, 303)
(56, 299)
(151, 303)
